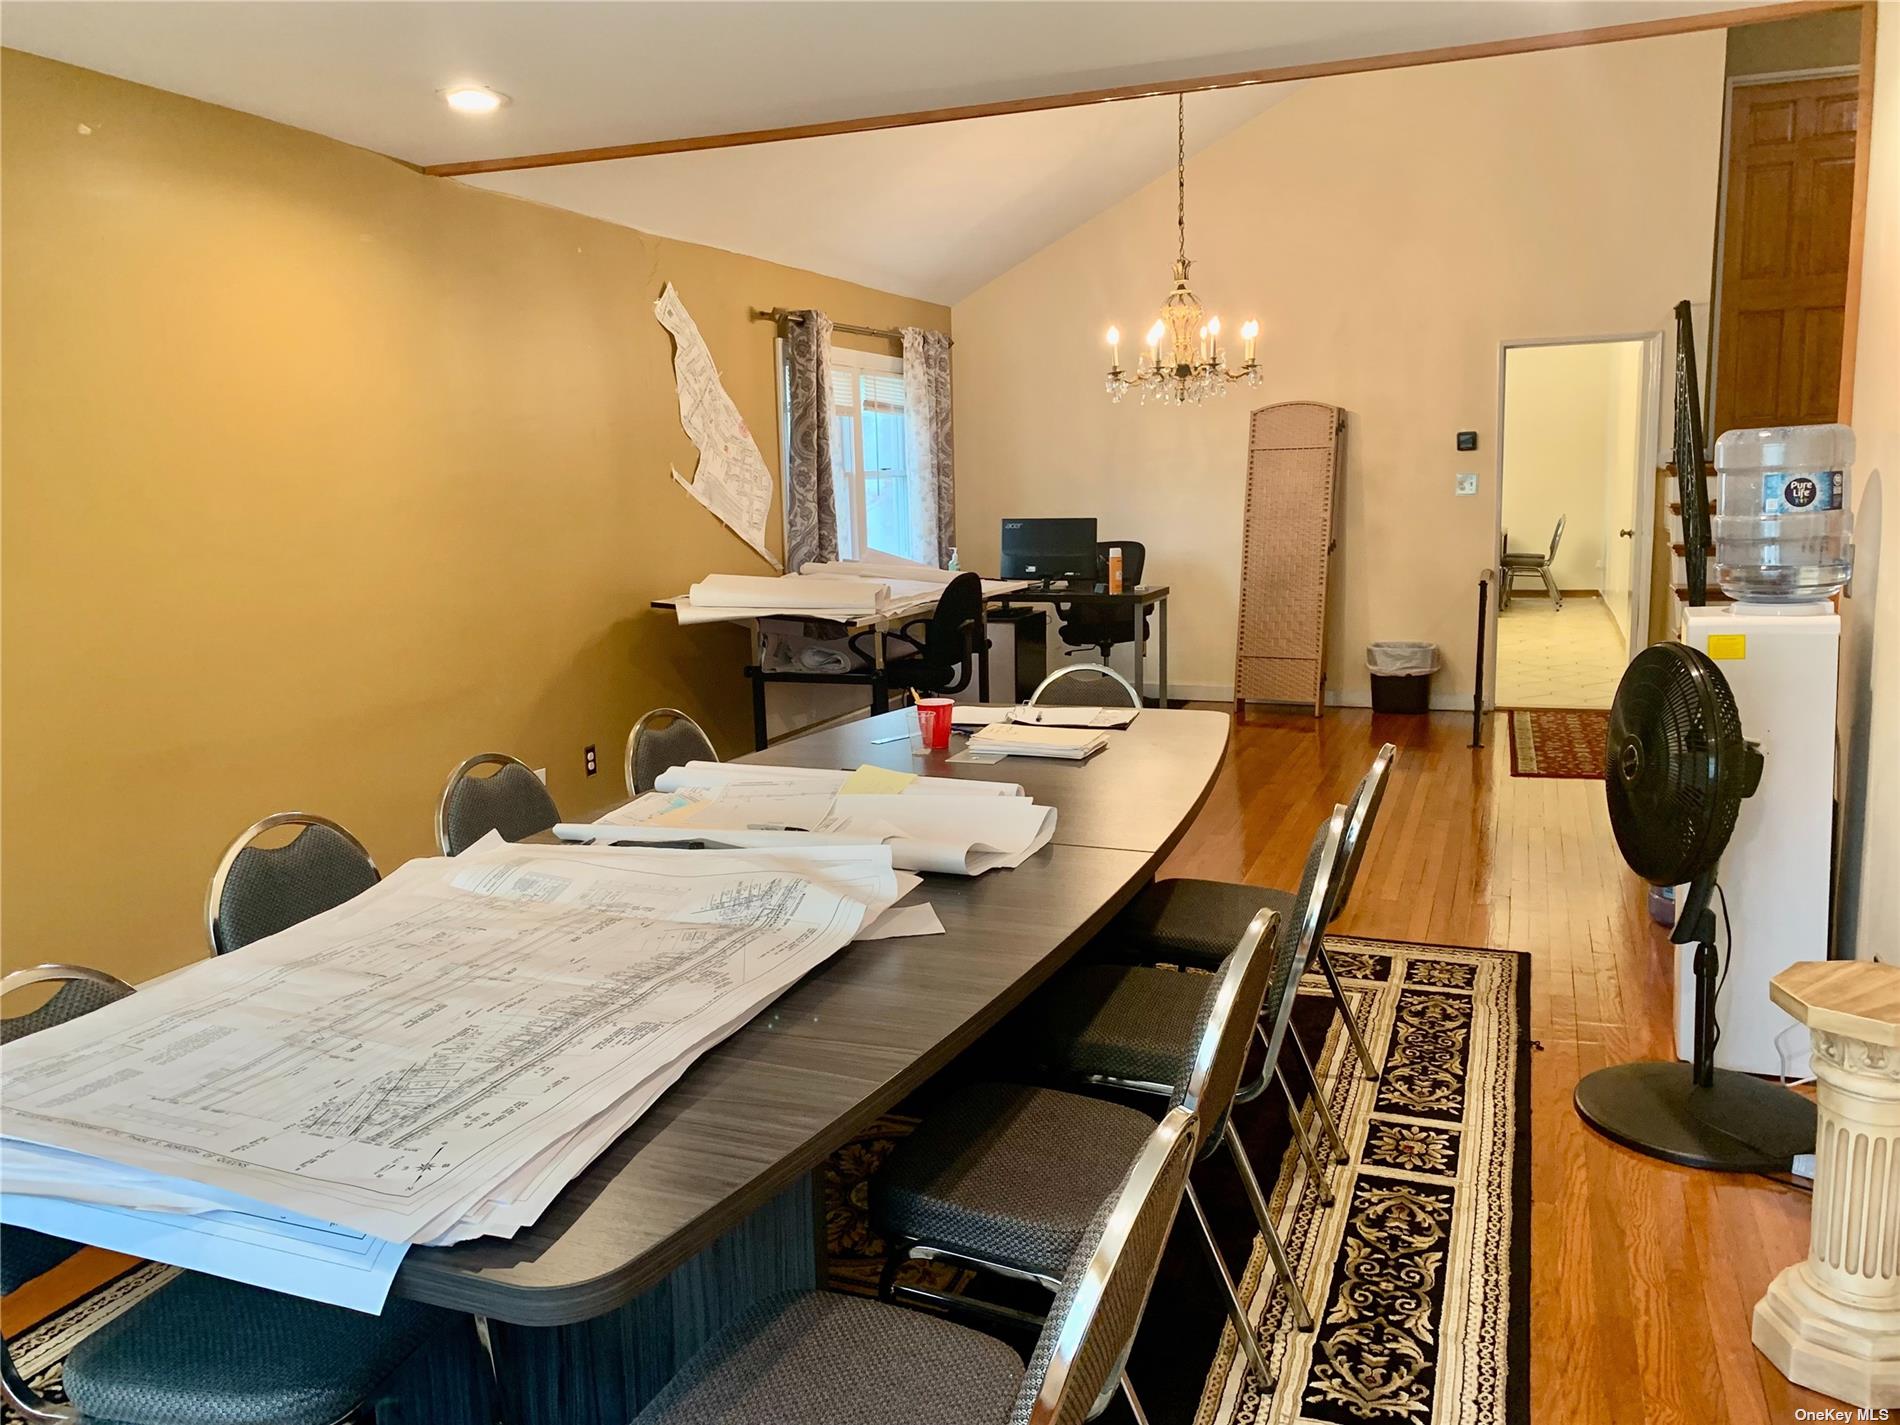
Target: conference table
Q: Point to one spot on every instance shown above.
(709, 1202)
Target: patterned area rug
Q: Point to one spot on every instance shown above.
(1419, 1269)
(1559, 742)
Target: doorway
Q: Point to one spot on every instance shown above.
(1577, 462)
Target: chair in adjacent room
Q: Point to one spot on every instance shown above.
(1512, 567)
(818, 1358)
(510, 800)
(946, 650)
(200, 1348)
(1102, 626)
(1085, 685)
(260, 890)
(999, 1177)
(1189, 922)
(663, 738)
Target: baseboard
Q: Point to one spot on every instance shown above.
(1540, 592)
(1191, 692)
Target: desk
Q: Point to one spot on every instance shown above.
(1136, 601)
(872, 678)
(715, 1179)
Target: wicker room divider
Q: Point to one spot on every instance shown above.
(1296, 452)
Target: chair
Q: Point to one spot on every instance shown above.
(1000, 1177)
(1514, 566)
(1091, 625)
(259, 890)
(822, 1359)
(1192, 922)
(510, 800)
(663, 738)
(947, 650)
(1085, 685)
(201, 1348)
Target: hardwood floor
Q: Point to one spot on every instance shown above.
(1644, 1276)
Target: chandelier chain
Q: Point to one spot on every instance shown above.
(1180, 173)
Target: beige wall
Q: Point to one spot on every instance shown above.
(320, 475)
(1869, 898)
(1389, 231)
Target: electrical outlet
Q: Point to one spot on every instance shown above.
(1467, 483)
(593, 762)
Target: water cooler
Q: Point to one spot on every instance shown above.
(1783, 662)
(1782, 551)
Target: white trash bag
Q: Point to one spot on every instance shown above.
(1398, 660)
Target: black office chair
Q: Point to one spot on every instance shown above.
(1100, 626)
(947, 651)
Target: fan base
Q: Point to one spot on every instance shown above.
(1737, 1124)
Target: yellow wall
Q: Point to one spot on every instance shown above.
(1869, 897)
(1389, 231)
(318, 476)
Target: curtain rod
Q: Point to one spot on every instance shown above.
(782, 316)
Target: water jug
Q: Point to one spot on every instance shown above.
(1781, 524)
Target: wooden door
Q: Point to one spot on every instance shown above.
(1784, 252)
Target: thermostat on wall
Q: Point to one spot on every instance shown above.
(1467, 440)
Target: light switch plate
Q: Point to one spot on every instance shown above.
(1467, 483)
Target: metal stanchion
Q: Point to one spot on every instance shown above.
(1477, 693)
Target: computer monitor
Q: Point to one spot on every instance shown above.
(1049, 549)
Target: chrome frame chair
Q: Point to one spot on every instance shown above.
(1512, 566)
(1209, 1088)
(214, 892)
(1079, 669)
(1081, 1354)
(463, 769)
(674, 719)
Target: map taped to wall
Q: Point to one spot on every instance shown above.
(732, 480)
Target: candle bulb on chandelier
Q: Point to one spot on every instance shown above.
(1213, 340)
(1155, 334)
(1248, 332)
(1115, 346)
(1203, 341)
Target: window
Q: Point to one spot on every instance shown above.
(870, 457)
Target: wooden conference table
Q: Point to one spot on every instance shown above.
(706, 1203)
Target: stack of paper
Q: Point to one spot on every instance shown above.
(1012, 739)
(981, 715)
(432, 1061)
(729, 596)
(940, 824)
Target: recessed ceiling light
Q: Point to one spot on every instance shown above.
(473, 99)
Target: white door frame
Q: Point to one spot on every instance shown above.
(1649, 460)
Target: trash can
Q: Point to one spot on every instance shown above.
(1401, 676)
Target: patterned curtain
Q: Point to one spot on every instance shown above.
(932, 463)
(811, 510)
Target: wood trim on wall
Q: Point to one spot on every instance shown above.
(1489, 49)
(1857, 233)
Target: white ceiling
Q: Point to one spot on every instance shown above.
(586, 73)
(930, 212)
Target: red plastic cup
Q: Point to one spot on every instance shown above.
(933, 718)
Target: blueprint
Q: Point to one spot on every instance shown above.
(732, 479)
(437, 1058)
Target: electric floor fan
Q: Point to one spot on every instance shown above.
(1678, 770)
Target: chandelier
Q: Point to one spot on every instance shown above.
(1195, 367)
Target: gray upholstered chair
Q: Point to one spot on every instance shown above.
(1085, 685)
(259, 890)
(1513, 567)
(999, 1176)
(663, 738)
(510, 800)
(819, 1359)
(1192, 922)
(202, 1349)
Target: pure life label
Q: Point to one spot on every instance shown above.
(1783, 494)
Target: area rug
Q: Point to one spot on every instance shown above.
(1559, 742)
(1419, 1269)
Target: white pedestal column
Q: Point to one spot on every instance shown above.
(1832, 1323)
